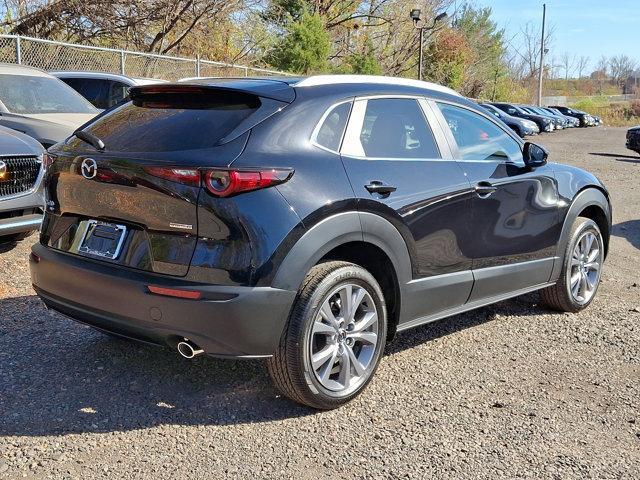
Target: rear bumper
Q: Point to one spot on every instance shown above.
(226, 321)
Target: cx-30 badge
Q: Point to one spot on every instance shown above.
(89, 168)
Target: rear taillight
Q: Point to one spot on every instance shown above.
(224, 183)
(186, 176)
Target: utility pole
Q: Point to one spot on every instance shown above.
(541, 70)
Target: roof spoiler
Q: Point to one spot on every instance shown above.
(262, 88)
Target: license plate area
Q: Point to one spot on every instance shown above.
(102, 239)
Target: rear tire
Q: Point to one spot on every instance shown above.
(334, 338)
(581, 269)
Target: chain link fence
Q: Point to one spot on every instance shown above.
(50, 55)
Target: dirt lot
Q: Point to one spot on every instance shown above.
(508, 391)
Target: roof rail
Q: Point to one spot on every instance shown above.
(317, 80)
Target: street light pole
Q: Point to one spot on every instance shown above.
(420, 54)
(541, 70)
(415, 16)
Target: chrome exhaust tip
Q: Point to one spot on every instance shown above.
(188, 349)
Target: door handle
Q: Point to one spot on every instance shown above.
(484, 189)
(382, 188)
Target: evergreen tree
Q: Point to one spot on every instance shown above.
(305, 47)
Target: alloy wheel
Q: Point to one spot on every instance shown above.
(586, 261)
(343, 339)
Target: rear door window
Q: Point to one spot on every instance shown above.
(395, 128)
(163, 122)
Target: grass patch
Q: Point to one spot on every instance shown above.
(615, 114)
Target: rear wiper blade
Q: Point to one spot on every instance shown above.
(90, 138)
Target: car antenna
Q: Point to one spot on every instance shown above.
(90, 138)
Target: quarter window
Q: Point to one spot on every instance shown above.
(330, 133)
(478, 138)
(396, 128)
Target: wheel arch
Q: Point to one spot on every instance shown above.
(357, 237)
(590, 202)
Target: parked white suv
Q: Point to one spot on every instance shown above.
(103, 90)
(43, 107)
(21, 195)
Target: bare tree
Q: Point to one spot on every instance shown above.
(621, 67)
(567, 61)
(603, 65)
(152, 25)
(523, 56)
(581, 65)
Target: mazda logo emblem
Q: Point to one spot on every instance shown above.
(3, 169)
(89, 168)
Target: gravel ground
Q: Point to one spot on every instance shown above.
(507, 391)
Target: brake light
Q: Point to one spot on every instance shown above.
(224, 183)
(186, 176)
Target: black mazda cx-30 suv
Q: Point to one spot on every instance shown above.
(307, 221)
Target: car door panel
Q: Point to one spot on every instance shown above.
(514, 213)
(430, 204)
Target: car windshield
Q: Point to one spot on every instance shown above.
(28, 94)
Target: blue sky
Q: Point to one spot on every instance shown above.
(584, 27)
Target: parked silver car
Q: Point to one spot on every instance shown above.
(21, 197)
(103, 90)
(43, 107)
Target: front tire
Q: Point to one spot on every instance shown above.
(581, 269)
(334, 338)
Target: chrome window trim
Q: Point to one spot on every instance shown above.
(316, 130)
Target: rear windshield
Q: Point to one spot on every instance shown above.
(164, 122)
(29, 95)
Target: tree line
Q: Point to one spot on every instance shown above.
(468, 52)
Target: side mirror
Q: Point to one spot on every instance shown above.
(534, 155)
